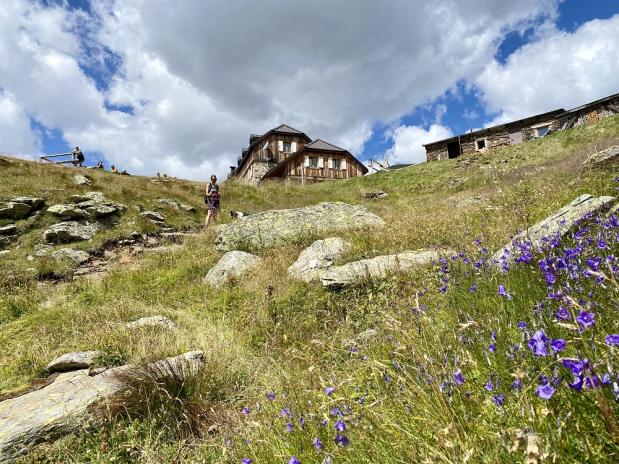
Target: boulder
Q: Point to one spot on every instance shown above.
(76, 256)
(232, 264)
(153, 216)
(152, 321)
(380, 266)
(96, 197)
(14, 210)
(556, 225)
(79, 179)
(66, 406)
(67, 211)
(610, 155)
(73, 361)
(101, 210)
(273, 227)
(10, 229)
(70, 231)
(34, 202)
(315, 259)
(378, 195)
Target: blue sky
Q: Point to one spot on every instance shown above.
(158, 86)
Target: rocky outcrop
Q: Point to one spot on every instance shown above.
(176, 204)
(152, 321)
(557, 225)
(380, 266)
(604, 157)
(19, 207)
(232, 264)
(76, 256)
(97, 197)
(153, 216)
(73, 361)
(65, 407)
(317, 258)
(273, 227)
(10, 229)
(70, 231)
(67, 212)
(79, 179)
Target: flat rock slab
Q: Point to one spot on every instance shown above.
(73, 361)
(232, 264)
(79, 179)
(176, 204)
(14, 210)
(152, 322)
(11, 229)
(70, 231)
(64, 407)
(274, 227)
(317, 258)
(610, 155)
(153, 216)
(557, 225)
(76, 256)
(380, 266)
(67, 211)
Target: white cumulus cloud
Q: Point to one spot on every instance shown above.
(408, 142)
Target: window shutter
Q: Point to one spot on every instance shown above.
(330, 163)
(280, 145)
(293, 148)
(343, 164)
(321, 162)
(306, 163)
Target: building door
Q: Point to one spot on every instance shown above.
(453, 149)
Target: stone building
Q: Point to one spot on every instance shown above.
(289, 154)
(521, 130)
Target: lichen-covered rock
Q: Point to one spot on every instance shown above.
(269, 228)
(556, 225)
(101, 210)
(232, 264)
(66, 406)
(97, 197)
(34, 202)
(79, 179)
(153, 216)
(73, 361)
(70, 231)
(77, 256)
(318, 257)
(14, 210)
(67, 211)
(176, 204)
(610, 155)
(378, 195)
(152, 321)
(380, 266)
(10, 229)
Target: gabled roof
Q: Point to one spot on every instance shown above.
(593, 103)
(322, 145)
(286, 129)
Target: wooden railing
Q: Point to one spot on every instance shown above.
(46, 158)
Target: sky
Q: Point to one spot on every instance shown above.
(177, 87)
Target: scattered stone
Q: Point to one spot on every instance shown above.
(79, 179)
(73, 361)
(66, 406)
(378, 195)
(109, 255)
(151, 242)
(77, 256)
(14, 210)
(315, 259)
(610, 155)
(101, 210)
(42, 249)
(11, 229)
(153, 216)
(269, 228)
(152, 321)
(34, 202)
(70, 231)
(67, 211)
(380, 266)
(176, 204)
(555, 225)
(232, 264)
(96, 197)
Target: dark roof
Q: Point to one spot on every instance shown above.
(286, 129)
(322, 145)
(593, 103)
(524, 121)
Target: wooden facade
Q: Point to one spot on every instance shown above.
(522, 130)
(286, 153)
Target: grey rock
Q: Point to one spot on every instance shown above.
(176, 204)
(34, 202)
(96, 197)
(378, 195)
(67, 211)
(4, 252)
(315, 259)
(10, 229)
(66, 406)
(610, 155)
(77, 256)
(556, 225)
(152, 321)
(73, 361)
(273, 227)
(380, 266)
(101, 210)
(232, 264)
(79, 179)
(14, 210)
(70, 231)
(153, 216)
(42, 249)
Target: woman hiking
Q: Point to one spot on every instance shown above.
(211, 198)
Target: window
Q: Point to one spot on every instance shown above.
(287, 147)
(480, 144)
(543, 130)
(313, 162)
(336, 163)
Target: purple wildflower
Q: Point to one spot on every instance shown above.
(294, 460)
(574, 365)
(601, 244)
(612, 339)
(340, 426)
(498, 400)
(492, 347)
(563, 314)
(342, 440)
(503, 292)
(285, 412)
(317, 443)
(585, 319)
(458, 377)
(517, 384)
(557, 345)
(245, 410)
(545, 391)
(271, 396)
(289, 427)
(522, 325)
(246, 461)
(577, 384)
(537, 343)
(329, 391)
(489, 385)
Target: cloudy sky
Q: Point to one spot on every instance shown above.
(178, 86)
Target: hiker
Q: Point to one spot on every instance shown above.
(113, 169)
(100, 165)
(124, 173)
(211, 198)
(78, 157)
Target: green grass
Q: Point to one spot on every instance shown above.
(266, 332)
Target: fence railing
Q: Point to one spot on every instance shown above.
(46, 158)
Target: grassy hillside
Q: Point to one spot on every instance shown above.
(423, 364)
